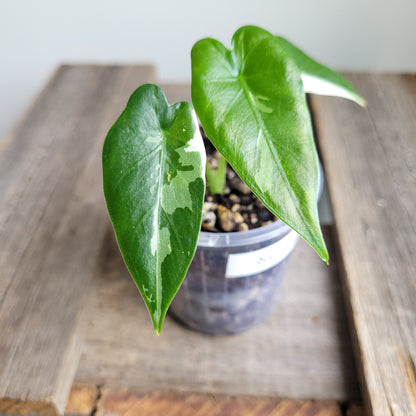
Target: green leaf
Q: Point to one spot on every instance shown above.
(252, 105)
(153, 171)
(317, 78)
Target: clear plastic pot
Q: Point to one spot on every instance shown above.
(233, 278)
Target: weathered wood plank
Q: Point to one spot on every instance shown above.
(52, 221)
(301, 351)
(82, 400)
(177, 92)
(129, 402)
(370, 162)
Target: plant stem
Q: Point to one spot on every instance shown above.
(216, 177)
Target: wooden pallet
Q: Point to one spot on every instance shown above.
(370, 162)
(69, 313)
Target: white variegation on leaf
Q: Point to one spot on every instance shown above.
(319, 86)
(317, 78)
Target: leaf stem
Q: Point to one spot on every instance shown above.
(216, 177)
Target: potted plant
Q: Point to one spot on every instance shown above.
(250, 100)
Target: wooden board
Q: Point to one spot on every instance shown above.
(52, 223)
(177, 92)
(301, 351)
(125, 402)
(370, 162)
(89, 400)
(82, 400)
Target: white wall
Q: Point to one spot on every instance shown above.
(35, 36)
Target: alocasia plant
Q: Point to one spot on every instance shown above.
(250, 100)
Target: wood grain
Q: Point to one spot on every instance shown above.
(82, 400)
(52, 222)
(370, 162)
(301, 351)
(127, 402)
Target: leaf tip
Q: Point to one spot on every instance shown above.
(322, 250)
(325, 256)
(158, 318)
(157, 325)
(357, 98)
(362, 101)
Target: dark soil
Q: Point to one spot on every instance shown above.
(237, 209)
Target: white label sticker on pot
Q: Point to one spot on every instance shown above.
(257, 261)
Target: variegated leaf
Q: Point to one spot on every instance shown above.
(252, 105)
(153, 168)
